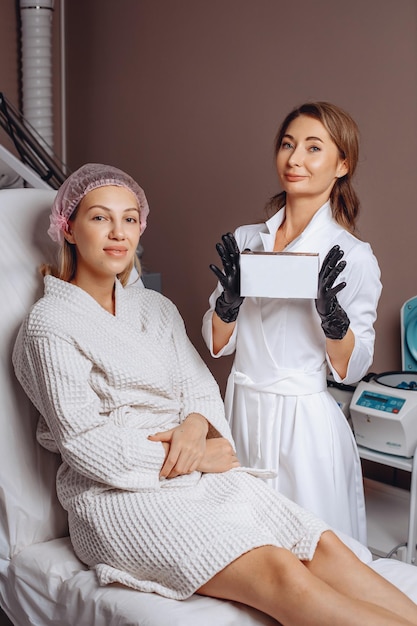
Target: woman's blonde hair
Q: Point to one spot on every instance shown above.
(345, 134)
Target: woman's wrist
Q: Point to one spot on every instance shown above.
(197, 418)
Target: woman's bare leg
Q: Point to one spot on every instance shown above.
(339, 567)
(274, 581)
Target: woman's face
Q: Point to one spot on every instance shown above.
(308, 161)
(105, 232)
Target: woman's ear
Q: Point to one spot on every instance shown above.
(342, 168)
(69, 236)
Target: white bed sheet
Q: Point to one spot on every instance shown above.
(48, 583)
(41, 580)
(45, 584)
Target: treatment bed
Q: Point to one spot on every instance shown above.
(41, 580)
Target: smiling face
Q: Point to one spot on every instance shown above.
(308, 161)
(105, 232)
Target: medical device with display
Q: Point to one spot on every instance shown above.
(384, 413)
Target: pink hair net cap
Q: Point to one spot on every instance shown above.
(79, 184)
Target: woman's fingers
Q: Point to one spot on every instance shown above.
(186, 446)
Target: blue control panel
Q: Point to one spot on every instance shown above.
(380, 402)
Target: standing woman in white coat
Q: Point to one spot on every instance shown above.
(281, 414)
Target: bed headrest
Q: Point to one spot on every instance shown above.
(30, 511)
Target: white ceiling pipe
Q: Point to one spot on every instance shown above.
(36, 46)
(63, 87)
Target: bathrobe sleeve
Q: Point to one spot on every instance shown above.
(199, 391)
(101, 446)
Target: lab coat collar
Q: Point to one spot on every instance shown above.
(321, 217)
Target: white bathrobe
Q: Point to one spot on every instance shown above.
(281, 414)
(102, 384)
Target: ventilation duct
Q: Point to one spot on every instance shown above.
(36, 49)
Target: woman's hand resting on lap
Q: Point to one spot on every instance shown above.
(219, 456)
(185, 446)
(188, 449)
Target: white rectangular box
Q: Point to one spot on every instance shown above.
(279, 274)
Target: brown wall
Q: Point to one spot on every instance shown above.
(9, 58)
(9, 49)
(186, 95)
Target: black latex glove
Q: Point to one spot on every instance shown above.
(334, 320)
(228, 303)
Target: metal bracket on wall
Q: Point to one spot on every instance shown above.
(28, 145)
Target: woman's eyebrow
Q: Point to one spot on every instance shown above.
(105, 208)
(314, 139)
(311, 138)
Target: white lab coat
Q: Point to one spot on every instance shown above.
(280, 412)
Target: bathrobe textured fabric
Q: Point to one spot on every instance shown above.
(102, 384)
(281, 414)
